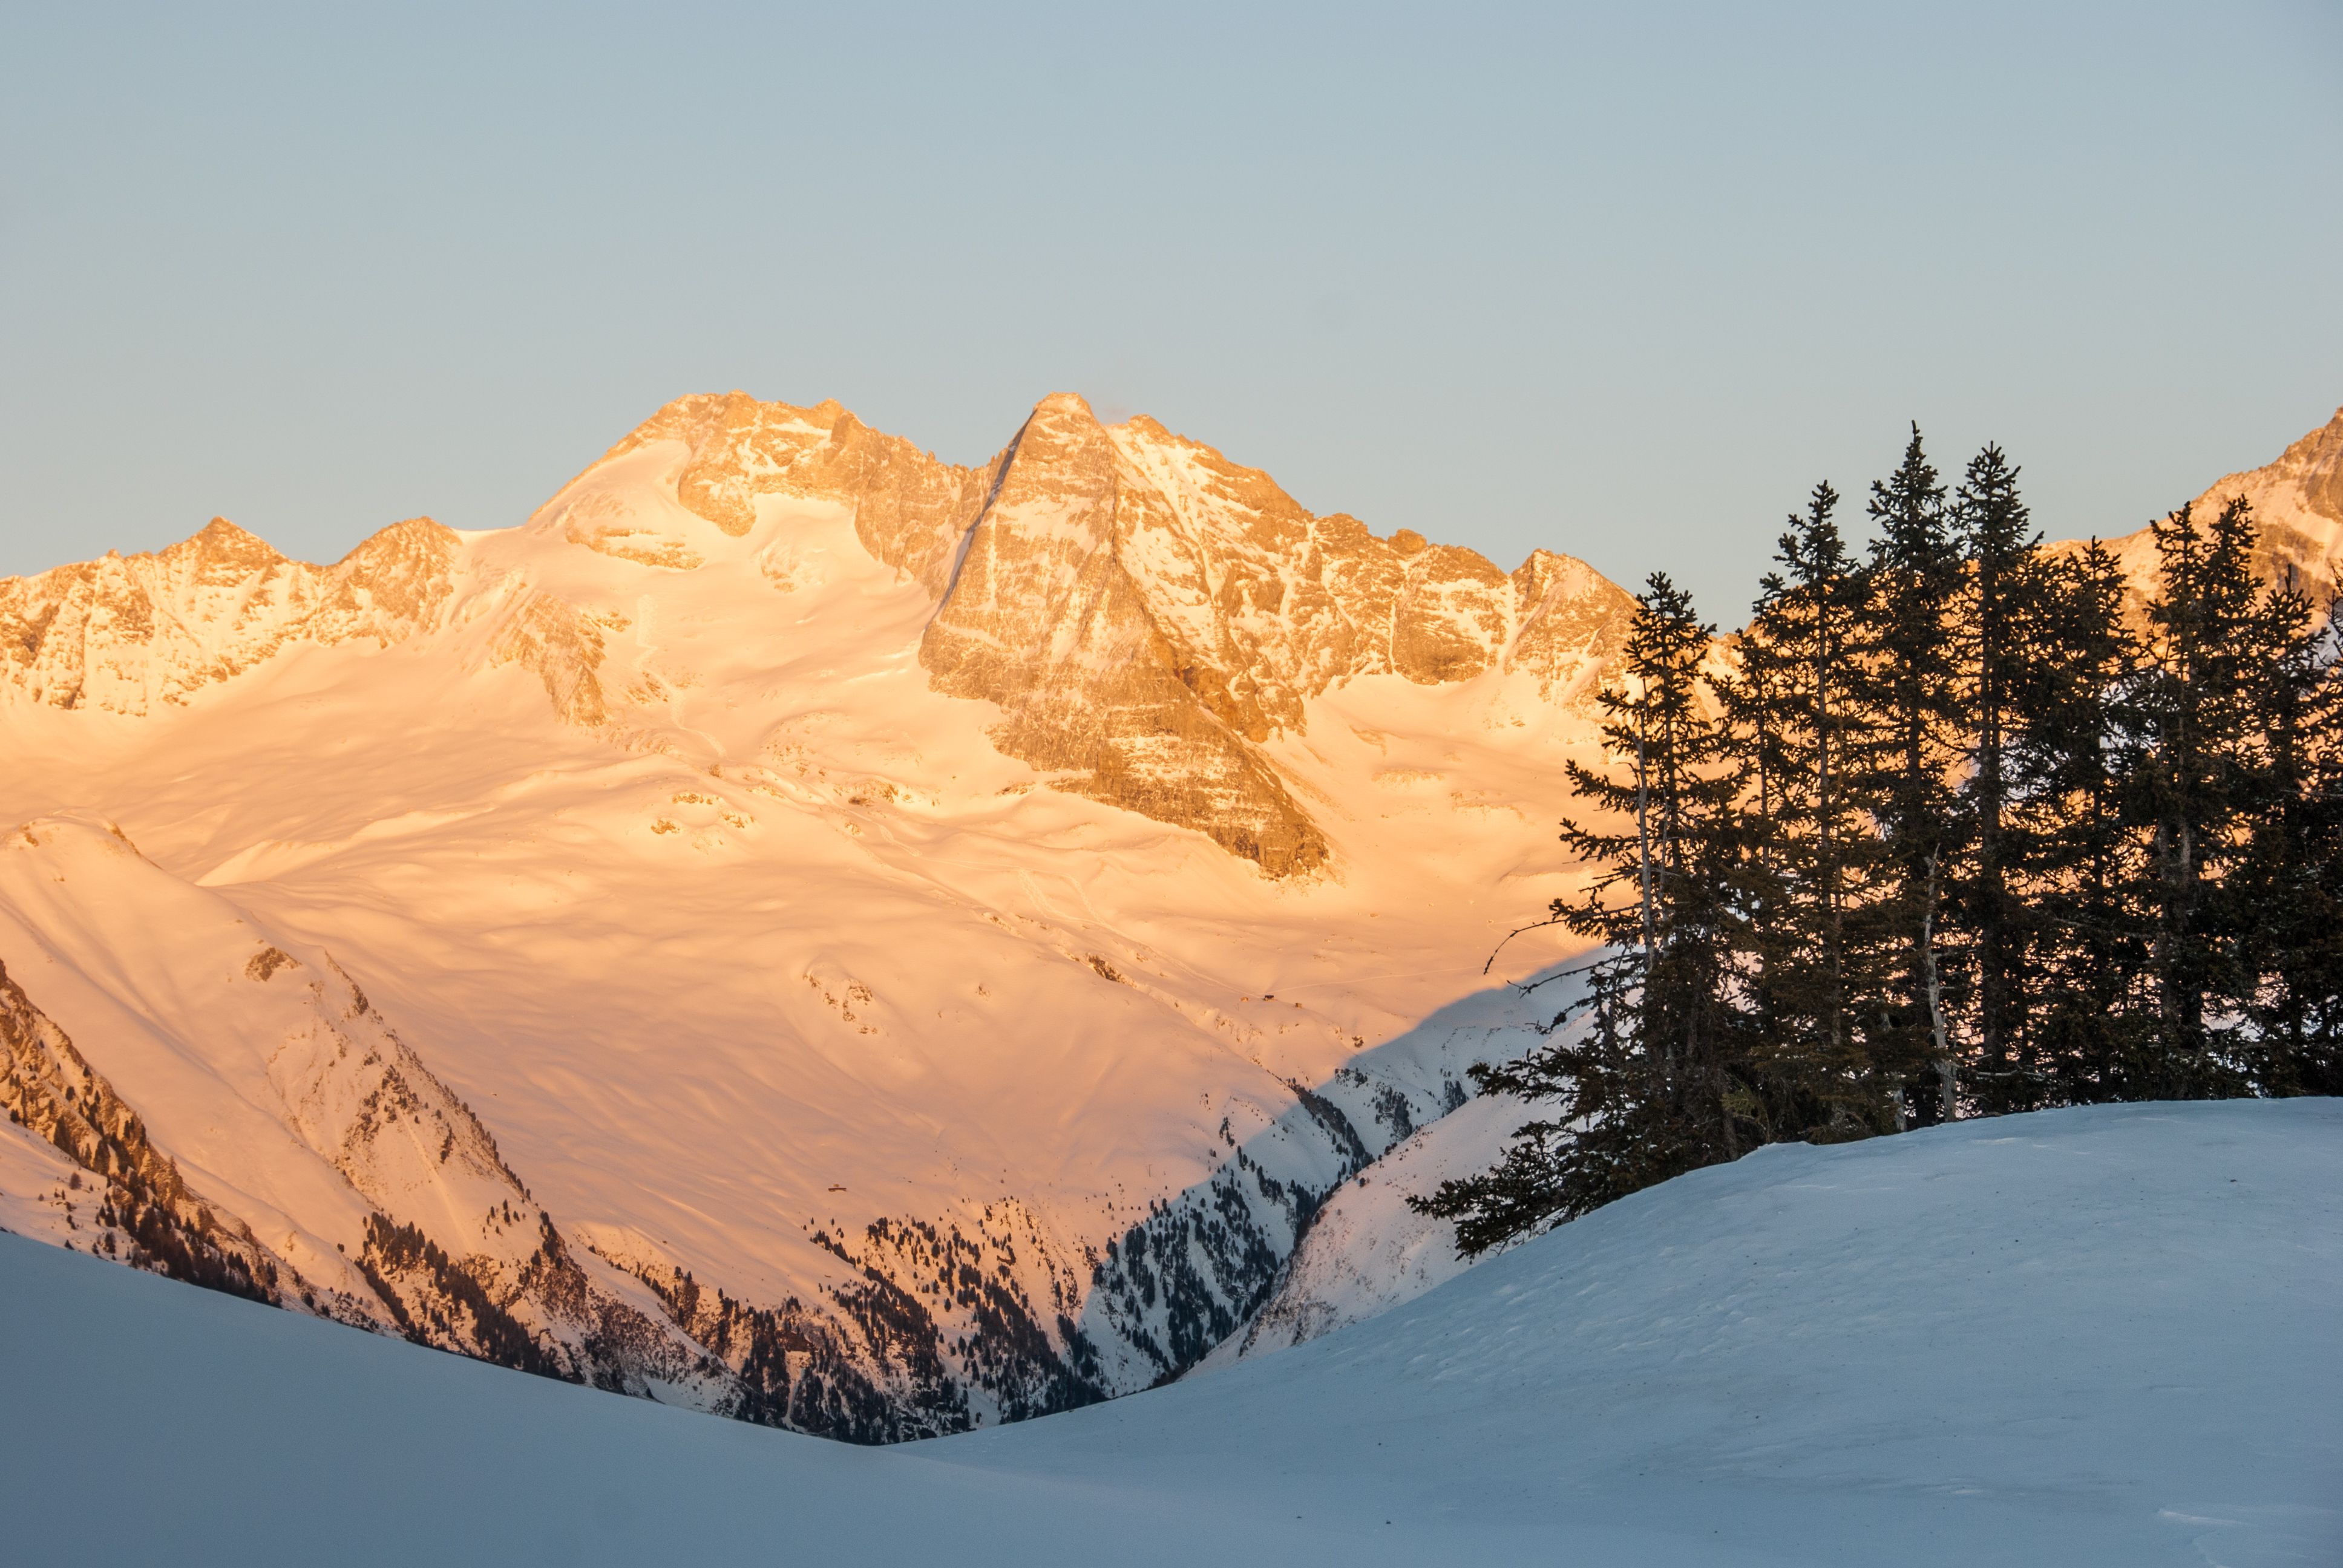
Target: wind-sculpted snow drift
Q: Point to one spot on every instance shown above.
(797, 928)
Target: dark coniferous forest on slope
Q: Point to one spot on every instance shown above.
(1958, 825)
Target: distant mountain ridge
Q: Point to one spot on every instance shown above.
(2297, 507)
(795, 927)
(1145, 611)
(921, 939)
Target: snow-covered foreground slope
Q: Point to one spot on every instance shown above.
(2100, 1336)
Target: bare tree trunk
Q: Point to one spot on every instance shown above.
(1948, 1070)
(1644, 844)
(1993, 998)
(1826, 856)
(1667, 1054)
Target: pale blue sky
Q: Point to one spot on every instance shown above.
(1620, 280)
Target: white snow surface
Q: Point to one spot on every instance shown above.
(2080, 1337)
(41, 1190)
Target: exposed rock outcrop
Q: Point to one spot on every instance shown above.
(2298, 509)
(145, 1214)
(1148, 612)
(909, 508)
(124, 634)
(1043, 618)
(562, 643)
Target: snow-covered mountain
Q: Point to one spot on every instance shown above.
(2297, 504)
(797, 926)
(2101, 1336)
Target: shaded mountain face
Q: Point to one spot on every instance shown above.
(796, 927)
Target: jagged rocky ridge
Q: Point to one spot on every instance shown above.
(2297, 507)
(1149, 625)
(1144, 612)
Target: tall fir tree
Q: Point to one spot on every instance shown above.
(1807, 852)
(2191, 779)
(1910, 693)
(2287, 886)
(2066, 845)
(1642, 1090)
(1998, 621)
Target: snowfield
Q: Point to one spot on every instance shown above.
(2097, 1336)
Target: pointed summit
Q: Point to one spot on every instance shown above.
(1065, 405)
(2315, 464)
(220, 550)
(909, 509)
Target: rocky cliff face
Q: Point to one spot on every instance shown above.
(125, 634)
(2298, 506)
(2298, 503)
(1145, 612)
(1044, 617)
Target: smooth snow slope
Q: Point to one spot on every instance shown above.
(2100, 1336)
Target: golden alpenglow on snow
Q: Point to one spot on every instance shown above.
(801, 928)
(996, 788)
(826, 935)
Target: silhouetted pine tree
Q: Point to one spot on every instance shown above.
(2287, 886)
(1911, 695)
(2065, 845)
(2191, 779)
(1642, 1092)
(1807, 852)
(1996, 621)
